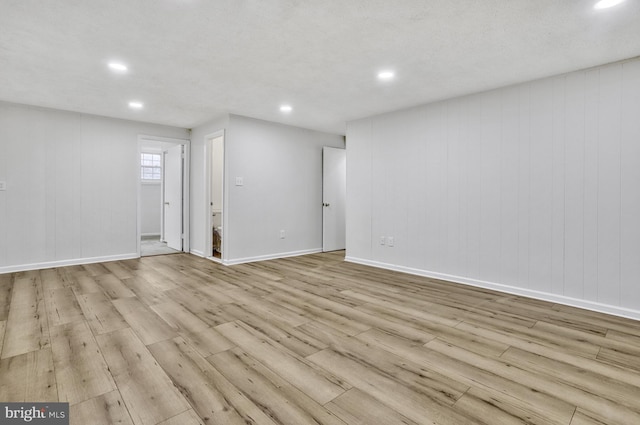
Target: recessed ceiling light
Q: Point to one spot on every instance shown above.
(604, 4)
(286, 108)
(117, 66)
(136, 105)
(386, 75)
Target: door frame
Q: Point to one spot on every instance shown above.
(208, 237)
(142, 139)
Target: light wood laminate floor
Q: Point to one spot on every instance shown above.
(306, 340)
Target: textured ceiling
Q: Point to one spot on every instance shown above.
(192, 60)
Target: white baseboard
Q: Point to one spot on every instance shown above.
(197, 253)
(271, 256)
(63, 263)
(544, 296)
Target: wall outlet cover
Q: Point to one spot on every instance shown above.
(3, 185)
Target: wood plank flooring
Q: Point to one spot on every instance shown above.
(177, 339)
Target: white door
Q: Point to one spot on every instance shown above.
(173, 197)
(334, 194)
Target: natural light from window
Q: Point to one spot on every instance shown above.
(151, 166)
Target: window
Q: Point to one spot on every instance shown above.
(151, 166)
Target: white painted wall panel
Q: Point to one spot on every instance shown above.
(524, 185)
(574, 220)
(630, 186)
(541, 189)
(532, 187)
(72, 185)
(558, 186)
(509, 157)
(591, 173)
(474, 184)
(282, 171)
(490, 187)
(609, 115)
(359, 190)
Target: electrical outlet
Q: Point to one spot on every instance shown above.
(382, 240)
(239, 181)
(390, 241)
(281, 234)
(3, 185)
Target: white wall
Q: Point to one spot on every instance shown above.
(199, 208)
(533, 189)
(71, 186)
(150, 208)
(281, 167)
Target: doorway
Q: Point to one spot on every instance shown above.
(334, 195)
(215, 197)
(162, 196)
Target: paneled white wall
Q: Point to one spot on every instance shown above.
(532, 189)
(71, 186)
(281, 168)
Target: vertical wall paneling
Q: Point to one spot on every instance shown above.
(524, 185)
(591, 172)
(574, 162)
(609, 185)
(474, 184)
(359, 237)
(541, 169)
(433, 184)
(509, 161)
(282, 171)
(558, 186)
(71, 186)
(452, 187)
(490, 232)
(630, 186)
(416, 203)
(533, 187)
(464, 159)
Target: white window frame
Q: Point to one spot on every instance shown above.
(155, 165)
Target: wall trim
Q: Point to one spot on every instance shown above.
(544, 296)
(271, 256)
(64, 263)
(197, 252)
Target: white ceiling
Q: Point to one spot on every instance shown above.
(192, 60)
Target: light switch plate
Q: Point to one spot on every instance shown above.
(390, 241)
(3, 185)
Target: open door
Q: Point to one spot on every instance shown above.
(334, 194)
(173, 199)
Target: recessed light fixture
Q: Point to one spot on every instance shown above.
(136, 105)
(286, 108)
(386, 75)
(118, 67)
(605, 4)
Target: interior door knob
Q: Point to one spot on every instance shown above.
(325, 204)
